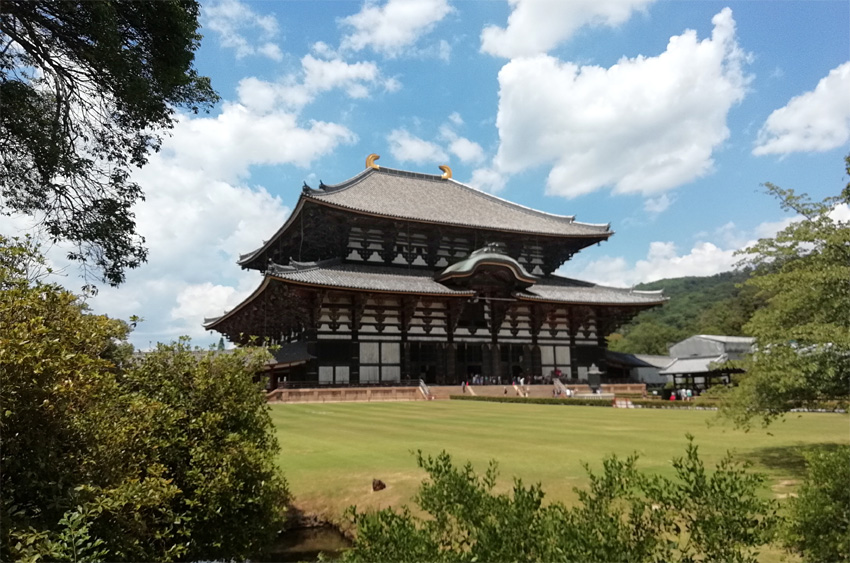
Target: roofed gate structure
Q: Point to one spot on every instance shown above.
(396, 275)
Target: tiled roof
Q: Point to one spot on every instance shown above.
(291, 353)
(425, 197)
(333, 273)
(566, 290)
(683, 366)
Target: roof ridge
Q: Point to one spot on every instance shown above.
(508, 203)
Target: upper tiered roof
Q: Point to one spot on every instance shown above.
(389, 194)
(434, 199)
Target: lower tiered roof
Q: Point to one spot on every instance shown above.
(338, 275)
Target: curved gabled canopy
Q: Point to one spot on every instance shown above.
(490, 258)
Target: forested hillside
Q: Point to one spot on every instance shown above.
(698, 305)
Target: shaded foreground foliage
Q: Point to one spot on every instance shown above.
(624, 515)
(819, 527)
(105, 457)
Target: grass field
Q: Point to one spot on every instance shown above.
(331, 452)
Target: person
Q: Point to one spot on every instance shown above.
(506, 389)
(690, 394)
(673, 396)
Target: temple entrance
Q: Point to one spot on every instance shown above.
(469, 363)
(424, 358)
(513, 359)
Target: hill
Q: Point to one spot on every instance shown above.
(698, 305)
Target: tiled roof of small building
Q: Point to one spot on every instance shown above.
(681, 366)
(425, 197)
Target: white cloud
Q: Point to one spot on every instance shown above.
(840, 213)
(488, 180)
(536, 26)
(645, 125)
(663, 259)
(409, 148)
(467, 151)
(657, 205)
(224, 147)
(456, 119)
(235, 22)
(316, 76)
(812, 122)
(392, 27)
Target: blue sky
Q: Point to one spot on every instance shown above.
(661, 117)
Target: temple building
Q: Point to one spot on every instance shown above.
(394, 276)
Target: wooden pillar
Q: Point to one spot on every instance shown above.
(531, 361)
(450, 363)
(601, 325)
(572, 329)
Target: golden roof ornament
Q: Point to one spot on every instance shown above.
(370, 161)
(447, 172)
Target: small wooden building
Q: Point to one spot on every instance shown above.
(394, 275)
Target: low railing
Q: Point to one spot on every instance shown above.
(323, 385)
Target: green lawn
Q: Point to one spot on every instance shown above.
(331, 452)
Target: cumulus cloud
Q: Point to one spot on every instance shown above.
(644, 125)
(393, 27)
(536, 26)
(662, 261)
(406, 147)
(467, 151)
(489, 180)
(705, 258)
(235, 23)
(815, 121)
(225, 147)
(316, 76)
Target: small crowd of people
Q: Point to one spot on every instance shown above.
(682, 395)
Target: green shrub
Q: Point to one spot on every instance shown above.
(819, 525)
(536, 400)
(168, 458)
(623, 515)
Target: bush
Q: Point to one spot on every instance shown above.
(167, 458)
(623, 516)
(536, 400)
(819, 526)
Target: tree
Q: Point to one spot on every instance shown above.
(163, 458)
(623, 516)
(86, 90)
(647, 337)
(803, 330)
